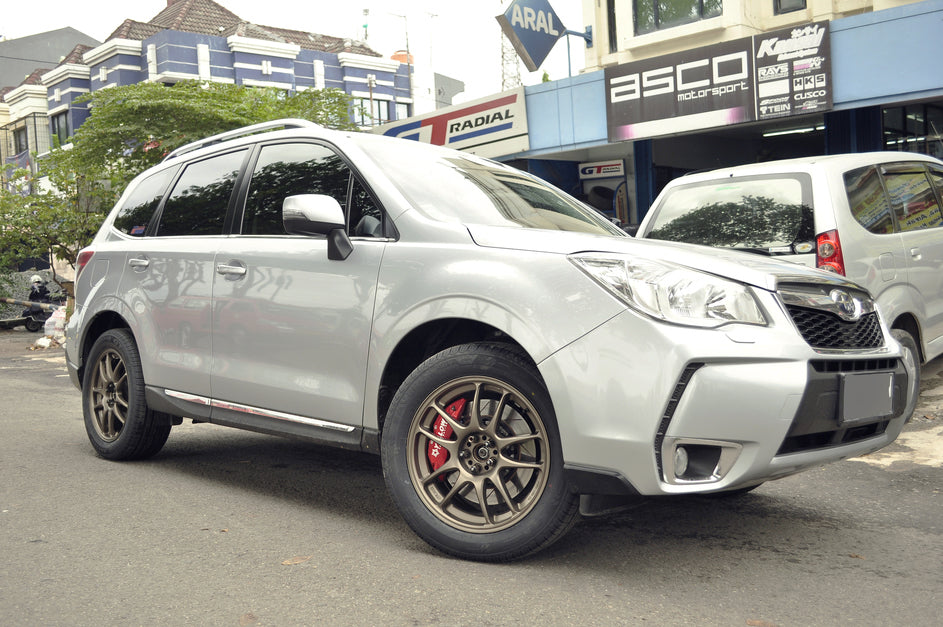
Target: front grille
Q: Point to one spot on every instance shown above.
(822, 329)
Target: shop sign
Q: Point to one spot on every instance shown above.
(533, 28)
(766, 76)
(602, 169)
(490, 127)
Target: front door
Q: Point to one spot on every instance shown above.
(291, 328)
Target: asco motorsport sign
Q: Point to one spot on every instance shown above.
(766, 76)
(533, 28)
(489, 127)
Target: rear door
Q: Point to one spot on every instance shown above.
(291, 327)
(168, 278)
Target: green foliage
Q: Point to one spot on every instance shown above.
(58, 211)
(133, 127)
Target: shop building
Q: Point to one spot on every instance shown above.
(703, 84)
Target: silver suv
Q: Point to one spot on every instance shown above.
(513, 358)
(873, 217)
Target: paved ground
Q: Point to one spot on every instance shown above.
(230, 528)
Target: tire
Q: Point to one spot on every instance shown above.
(33, 325)
(118, 422)
(909, 344)
(500, 492)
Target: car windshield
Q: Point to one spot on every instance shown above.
(459, 187)
(770, 214)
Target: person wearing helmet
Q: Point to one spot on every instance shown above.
(38, 292)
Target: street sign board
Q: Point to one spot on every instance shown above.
(533, 28)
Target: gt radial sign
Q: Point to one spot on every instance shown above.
(766, 76)
(533, 29)
(491, 127)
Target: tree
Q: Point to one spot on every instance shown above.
(58, 211)
(133, 127)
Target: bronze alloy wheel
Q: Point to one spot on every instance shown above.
(478, 454)
(118, 421)
(109, 395)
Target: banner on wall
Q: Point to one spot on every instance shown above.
(773, 75)
(490, 127)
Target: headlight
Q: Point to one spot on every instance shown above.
(672, 293)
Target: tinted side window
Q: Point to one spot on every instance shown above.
(286, 170)
(913, 200)
(200, 199)
(867, 200)
(136, 212)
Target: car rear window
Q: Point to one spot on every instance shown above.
(766, 214)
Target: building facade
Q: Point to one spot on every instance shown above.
(683, 85)
(202, 40)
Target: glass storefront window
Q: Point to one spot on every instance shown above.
(652, 15)
(914, 128)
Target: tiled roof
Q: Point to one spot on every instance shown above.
(324, 43)
(209, 18)
(195, 16)
(135, 31)
(75, 57)
(36, 78)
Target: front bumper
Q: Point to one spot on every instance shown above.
(747, 405)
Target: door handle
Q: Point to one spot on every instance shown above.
(139, 263)
(230, 270)
(915, 254)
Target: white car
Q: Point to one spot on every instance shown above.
(873, 217)
(513, 357)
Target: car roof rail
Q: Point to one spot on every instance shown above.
(242, 132)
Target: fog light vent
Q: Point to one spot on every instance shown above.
(698, 461)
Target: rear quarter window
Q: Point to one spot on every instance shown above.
(867, 200)
(138, 208)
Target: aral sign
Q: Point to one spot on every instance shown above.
(756, 78)
(490, 127)
(533, 29)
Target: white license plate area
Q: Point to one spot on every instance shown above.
(866, 396)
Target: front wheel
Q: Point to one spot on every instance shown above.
(471, 454)
(912, 358)
(33, 325)
(119, 424)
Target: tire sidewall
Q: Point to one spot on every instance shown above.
(909, 343)
(125, 445)
(484, 360)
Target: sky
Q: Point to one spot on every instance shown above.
(460, 39)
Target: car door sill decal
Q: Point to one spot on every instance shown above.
(256, 411)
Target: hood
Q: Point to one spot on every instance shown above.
(743, 267)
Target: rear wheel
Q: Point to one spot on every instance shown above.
(471, 454)
(118, 422)
(33, 325)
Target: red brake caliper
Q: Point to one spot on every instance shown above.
(437, 454)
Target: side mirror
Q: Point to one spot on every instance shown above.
(317, 214)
